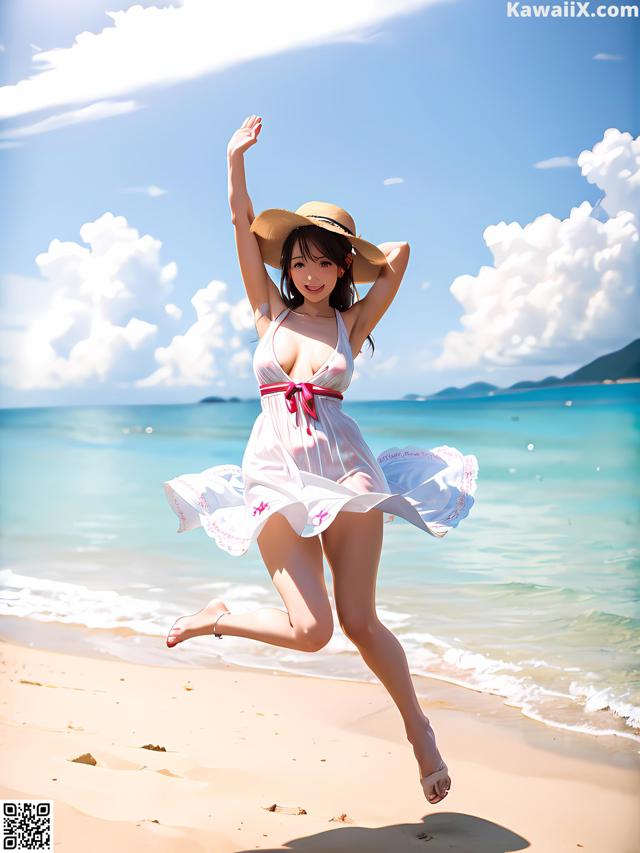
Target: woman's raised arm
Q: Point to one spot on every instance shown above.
(261, 291)
(371, 308)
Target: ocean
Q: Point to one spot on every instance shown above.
(533, 598)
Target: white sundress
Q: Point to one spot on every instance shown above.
(311, 468)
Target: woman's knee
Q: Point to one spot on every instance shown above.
(358, 625)
(314, 634)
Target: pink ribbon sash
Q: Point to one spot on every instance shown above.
(306, 390)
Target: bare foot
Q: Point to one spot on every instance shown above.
(197, 624)
(429, 760)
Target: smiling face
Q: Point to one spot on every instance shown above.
(314, 277)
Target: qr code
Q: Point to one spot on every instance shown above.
(27, 825)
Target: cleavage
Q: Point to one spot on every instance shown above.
(295, 333)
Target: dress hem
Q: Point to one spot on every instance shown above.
(193, 510)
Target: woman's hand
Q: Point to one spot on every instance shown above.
(245, 136)
(388, 248)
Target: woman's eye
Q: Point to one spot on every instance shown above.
(299, 264)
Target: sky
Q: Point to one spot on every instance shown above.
(505, 150)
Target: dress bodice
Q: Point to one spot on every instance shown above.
(329, 443)
(336, 372)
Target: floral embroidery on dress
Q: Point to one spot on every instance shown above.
(321, 515)
(259, 509)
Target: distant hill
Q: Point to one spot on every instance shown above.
(624, 364)
(220, 400)
(476, 389)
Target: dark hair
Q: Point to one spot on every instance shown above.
(333, 246)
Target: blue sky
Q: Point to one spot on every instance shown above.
(446, 124)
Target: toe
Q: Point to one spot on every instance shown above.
(172, 638)
(439, 791)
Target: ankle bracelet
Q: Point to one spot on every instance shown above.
(219, 636)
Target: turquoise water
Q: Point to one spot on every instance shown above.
(535, 597)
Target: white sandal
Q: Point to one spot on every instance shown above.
(429, 782)
(219, 636)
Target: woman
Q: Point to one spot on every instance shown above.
(309, 484)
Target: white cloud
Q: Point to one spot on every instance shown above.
(368, 366)
(614, 167)
(240, 363)
(152, 191)
(199, 356)
(386, 367)
(154, 46)
(16, 310)
(99, 312)
(556, 163)
(560, 290)
(94, 112)
(608, 57)
(173, 310)
(388, 181)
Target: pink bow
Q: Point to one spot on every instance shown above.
(308, 403)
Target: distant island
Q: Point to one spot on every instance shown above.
(620, 366)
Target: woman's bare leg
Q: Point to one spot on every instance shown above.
(352, 544)
(296, 568)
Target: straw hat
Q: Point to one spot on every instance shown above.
(273, 226)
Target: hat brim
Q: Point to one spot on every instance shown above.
(273, 226)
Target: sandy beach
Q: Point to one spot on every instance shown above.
(261, 760)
